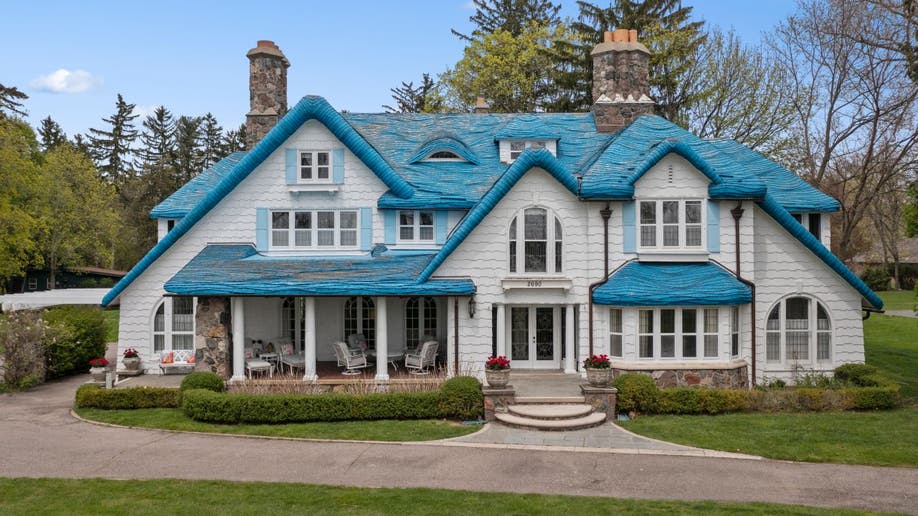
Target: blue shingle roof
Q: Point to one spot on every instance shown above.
(190, 194)
(228, 270)
(672, 284)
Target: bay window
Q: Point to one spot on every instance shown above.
(678, 333)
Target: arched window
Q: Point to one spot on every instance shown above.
(541, 250)
(360, 318)
(798, 329)
(173, 324)
(444, 155)
(420, 320)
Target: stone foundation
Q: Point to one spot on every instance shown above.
(497, 400)
(212, 336)
(602, 399)
(727, 378)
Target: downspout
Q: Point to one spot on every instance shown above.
(606, 214)
(456, 336)
(737, 214)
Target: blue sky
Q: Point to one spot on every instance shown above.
(72, 58)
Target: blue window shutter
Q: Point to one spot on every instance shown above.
(713, 227)
(390, 221)
(439, 227)
(338, 166)
(261, 229)
(290, 169)
(366, 228)
(629, 243)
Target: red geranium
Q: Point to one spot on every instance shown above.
(131, 353)
(597, 362)
(497, 363)
(98, 362)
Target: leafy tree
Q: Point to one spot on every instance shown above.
(421, 99)
(10, 100)
(157, 140)
(20, 187)
(234, 140)
(513, 16)
(77, 212)
(111, 148)
(211, 140)
(188, 158)
(51, 134)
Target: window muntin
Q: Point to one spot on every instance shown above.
(315, 167)
(360, 319)
(444, 155)
(798, 329)
(542, 249)
(671, 224)
(420, 320)
(314, 229)
(734, 332)
(416, 226)
(518, 146)
(173, 324)
(615, 332)
(678, 333)
(645, 333)
(711, 316)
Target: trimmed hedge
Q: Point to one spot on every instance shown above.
(203, 380)
(459, 398)
(636, 393)
(93, 396)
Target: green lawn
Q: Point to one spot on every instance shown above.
(898, 299)
(155, 497)
(880, 438)
(387, 430)
(111, 325)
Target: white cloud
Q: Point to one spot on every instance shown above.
(67, 81)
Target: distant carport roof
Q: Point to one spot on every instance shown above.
(239, 270)
(672, 284)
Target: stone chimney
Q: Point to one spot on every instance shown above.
(481, 106)
(267, 90)
(621, 84)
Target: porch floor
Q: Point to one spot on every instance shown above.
(545, 384)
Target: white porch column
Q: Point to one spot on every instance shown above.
(382, 340)
(569, 365)
(309, 340)
(237, 314)
(501, 323)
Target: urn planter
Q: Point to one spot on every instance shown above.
(497, 378)
(131, 363)
(599, 377)
(98, 373)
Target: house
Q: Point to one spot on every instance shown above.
(543, 237)
(38, 280)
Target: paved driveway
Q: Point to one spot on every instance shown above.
(38, 438)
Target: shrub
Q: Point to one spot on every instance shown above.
(92, 396)
(203, 380)
(874, 398)
(462, 398)
(636, 392)
(861, 375)
(79, 337)
(877, 278)
(22, 336)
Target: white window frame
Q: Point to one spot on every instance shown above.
(427, 322)
(734, 332)
(812, 329)
(416, 227)
(169, 332)
(314, 167)
(552, 226)
(366, 323)
(516, 147)
(455, 158)
(616, 332)
(659, 225)
(313, 230)
(701, 331)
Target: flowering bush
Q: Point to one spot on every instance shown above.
(131, 353)
(597, 362)
(98, 362)
(497, 363)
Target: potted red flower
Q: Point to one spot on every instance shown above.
(131, 359)
(98, 367)
(598, 369)
(497, 371)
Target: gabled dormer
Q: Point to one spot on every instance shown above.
(524, 132)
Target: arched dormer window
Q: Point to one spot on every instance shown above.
(798, 330)
(444, 155)
(535, 238)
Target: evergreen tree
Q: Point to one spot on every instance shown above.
(157, 140)
(10, 98)
(188, 159)
(212, 140)
(51, 134)
(513, 16)
(79, 143)
(234, 141)
(111, 148)
(420, 99)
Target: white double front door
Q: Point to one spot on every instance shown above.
(534, 336)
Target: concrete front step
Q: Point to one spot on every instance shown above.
(552, 411)
(548, 399)
(588, 421)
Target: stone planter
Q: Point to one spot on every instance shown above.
(599, 377)
(131, 363)
(497, 378)
(98, 373)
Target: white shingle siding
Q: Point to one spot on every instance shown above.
(673, 177)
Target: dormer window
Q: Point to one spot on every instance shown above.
(444, 155)
(510, 150)
(315, 167)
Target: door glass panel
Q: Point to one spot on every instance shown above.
(545, 331)
(519, 333)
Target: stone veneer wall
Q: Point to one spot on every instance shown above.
(612, 116)
(212, 336)
(735, 378)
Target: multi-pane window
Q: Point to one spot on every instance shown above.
(681, 333)
(420, 320)
(734, 332)
(645, 333)
(302, 229)
(542, 249)
(670, 224)
(315, 167)
(173, 324)
(797, 330)
(416, 226)
(710, 332)
(518, 146)
(615, 332)
(360, 319)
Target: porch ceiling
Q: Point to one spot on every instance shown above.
(672, 284)
(238, 269)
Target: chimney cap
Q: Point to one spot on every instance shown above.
(481, 105)
(619, 40)
(266, 47)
